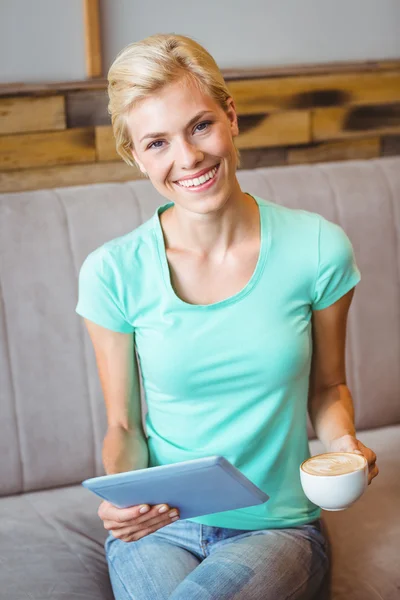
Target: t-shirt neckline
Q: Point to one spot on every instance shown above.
(262, 256)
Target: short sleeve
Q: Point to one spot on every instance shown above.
(337, 269)
(100, 293)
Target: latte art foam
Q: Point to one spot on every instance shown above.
(334, 463)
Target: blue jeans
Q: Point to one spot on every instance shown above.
(189, 561)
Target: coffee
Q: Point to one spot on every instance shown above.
(333, 463)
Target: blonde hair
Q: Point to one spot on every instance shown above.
(143, 68)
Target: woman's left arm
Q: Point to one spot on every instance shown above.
(330, 404)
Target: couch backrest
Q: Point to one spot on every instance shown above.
(52, 416)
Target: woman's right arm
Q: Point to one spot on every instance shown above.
(125, 445)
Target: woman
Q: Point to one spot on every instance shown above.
(236, 309)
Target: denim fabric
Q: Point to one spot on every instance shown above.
(190, 561)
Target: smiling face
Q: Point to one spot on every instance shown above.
(183, 139)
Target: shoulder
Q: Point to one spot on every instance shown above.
(300, 221)
(291, 223)
(292, 215)
(122, 252)
(111, 276)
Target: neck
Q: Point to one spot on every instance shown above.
(214, 233)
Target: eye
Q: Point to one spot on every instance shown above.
(203, 123)
(153, 146)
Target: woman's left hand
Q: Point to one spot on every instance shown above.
(349, 443)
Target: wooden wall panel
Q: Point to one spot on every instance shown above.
(357, 121)
(60, 134)
(254, 158)
(19, 115)
(88, 107)
(47, 149)
(391, 145)
(292, 93)
(333, 151)
(276, 129)
(320, 69)
(105, 144)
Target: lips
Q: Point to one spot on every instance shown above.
(197, 175)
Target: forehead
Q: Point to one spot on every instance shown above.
(171, 108)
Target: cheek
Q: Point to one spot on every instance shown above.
(157, 168)
(227, 147)
(220, 146)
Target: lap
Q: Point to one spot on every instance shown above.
(268, 564)
(151, 568)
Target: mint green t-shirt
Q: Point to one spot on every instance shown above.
(229, 378)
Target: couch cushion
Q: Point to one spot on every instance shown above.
(51, 547)
(365, 539)
(52, 414)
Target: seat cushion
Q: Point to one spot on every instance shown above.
(51, 546)
(51, 542)
(365, 539)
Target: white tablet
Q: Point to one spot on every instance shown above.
(196, 487)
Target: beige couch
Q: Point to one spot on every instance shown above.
(52, 417)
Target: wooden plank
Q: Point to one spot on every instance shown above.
(256, 131)
(19, 115)
(265, 96)
(85, 174)
(305, 93)
(87, 108)
(254, 158)
(92, 38)
(357, 121)
(334, 151)
(105, 144)
(311, 69)
(276, 129)
(391, 145)
(46, 149)
(17, 88)
(39, 89)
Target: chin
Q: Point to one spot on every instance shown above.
(207, 204)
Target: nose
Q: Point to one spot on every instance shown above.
(188, 155)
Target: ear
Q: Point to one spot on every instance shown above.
(232, 116)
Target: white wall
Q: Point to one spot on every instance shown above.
(257, 33)
(42, 40)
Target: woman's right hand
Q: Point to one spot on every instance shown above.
(133, 523)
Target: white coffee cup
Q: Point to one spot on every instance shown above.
(334, 480)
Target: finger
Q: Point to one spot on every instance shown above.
(156, 516)
(373, 474)
(158, 509)
(151, 516)
(153, 524)
(141, 534)
(153, 511)
(110, 512)
(368, 453)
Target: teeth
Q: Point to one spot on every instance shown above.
(198, 180)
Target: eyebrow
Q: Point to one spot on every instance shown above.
(162, 133)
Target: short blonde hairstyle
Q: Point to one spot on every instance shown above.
(143, 68)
